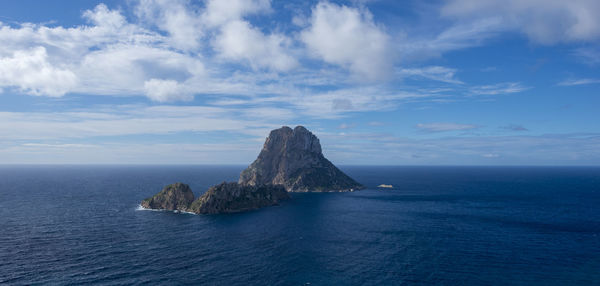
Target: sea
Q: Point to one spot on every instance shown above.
(82, 225)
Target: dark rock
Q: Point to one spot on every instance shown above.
(293, 158)
(176, 196)
(233, 197)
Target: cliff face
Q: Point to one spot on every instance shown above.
(293, 158)
(233, 197)
(176, 196)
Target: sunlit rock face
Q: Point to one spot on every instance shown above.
(293, 158)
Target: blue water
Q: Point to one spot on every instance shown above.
(439, 226)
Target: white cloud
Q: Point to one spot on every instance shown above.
(166, 90)
(238, 40)
(102, 16)
(436, 73)
(588, 55)
(124, 69)
(102, 121)
(543, 21)
(445, 126)
(338, 103)
(490, 155)
(348, 37)
(500, 88)
(177, 17)
(220, 12)
(515, 127)
(375, 148)
(130, 153)
(579, 81)
(455, 37)
(30, 71)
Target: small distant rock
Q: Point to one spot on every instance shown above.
(385, 186)
(173, 197)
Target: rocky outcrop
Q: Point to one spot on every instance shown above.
(222, 198)
(176, 196)
(293, 158)
(290, 161)
(233, 197)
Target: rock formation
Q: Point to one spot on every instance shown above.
(223, 198)
(176, 196)
(293, 158)
(233, 197)
(290, 161)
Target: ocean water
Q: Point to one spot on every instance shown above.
(70, 225)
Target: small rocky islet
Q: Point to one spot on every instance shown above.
(222, 198)
(291, 161)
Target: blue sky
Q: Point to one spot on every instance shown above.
(457, 82)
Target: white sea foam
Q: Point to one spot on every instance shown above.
(141, 208)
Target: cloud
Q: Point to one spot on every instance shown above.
(30, 71)
(130, 153)
(445, 126)
(579, 81)
(375, 123)
(489, 69)
(588, 55)
(339, 102)
(240, 41)
(543, 21)
(348, 37)
(490, 155)
(436, 73)
(382, 148)
(113, 56)
(219, 12)
(102, 16)
(120, 120)
(166, 90)
(347, 125)
(456, 36)
(515, 127)
(176, 17)
(500, 88)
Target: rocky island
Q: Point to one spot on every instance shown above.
(173, 197)
(233, 197)
(291, 161)
(293, 158)
(223, 198)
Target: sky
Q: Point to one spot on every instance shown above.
(457, 82)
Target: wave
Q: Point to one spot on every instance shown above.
(141, 208)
